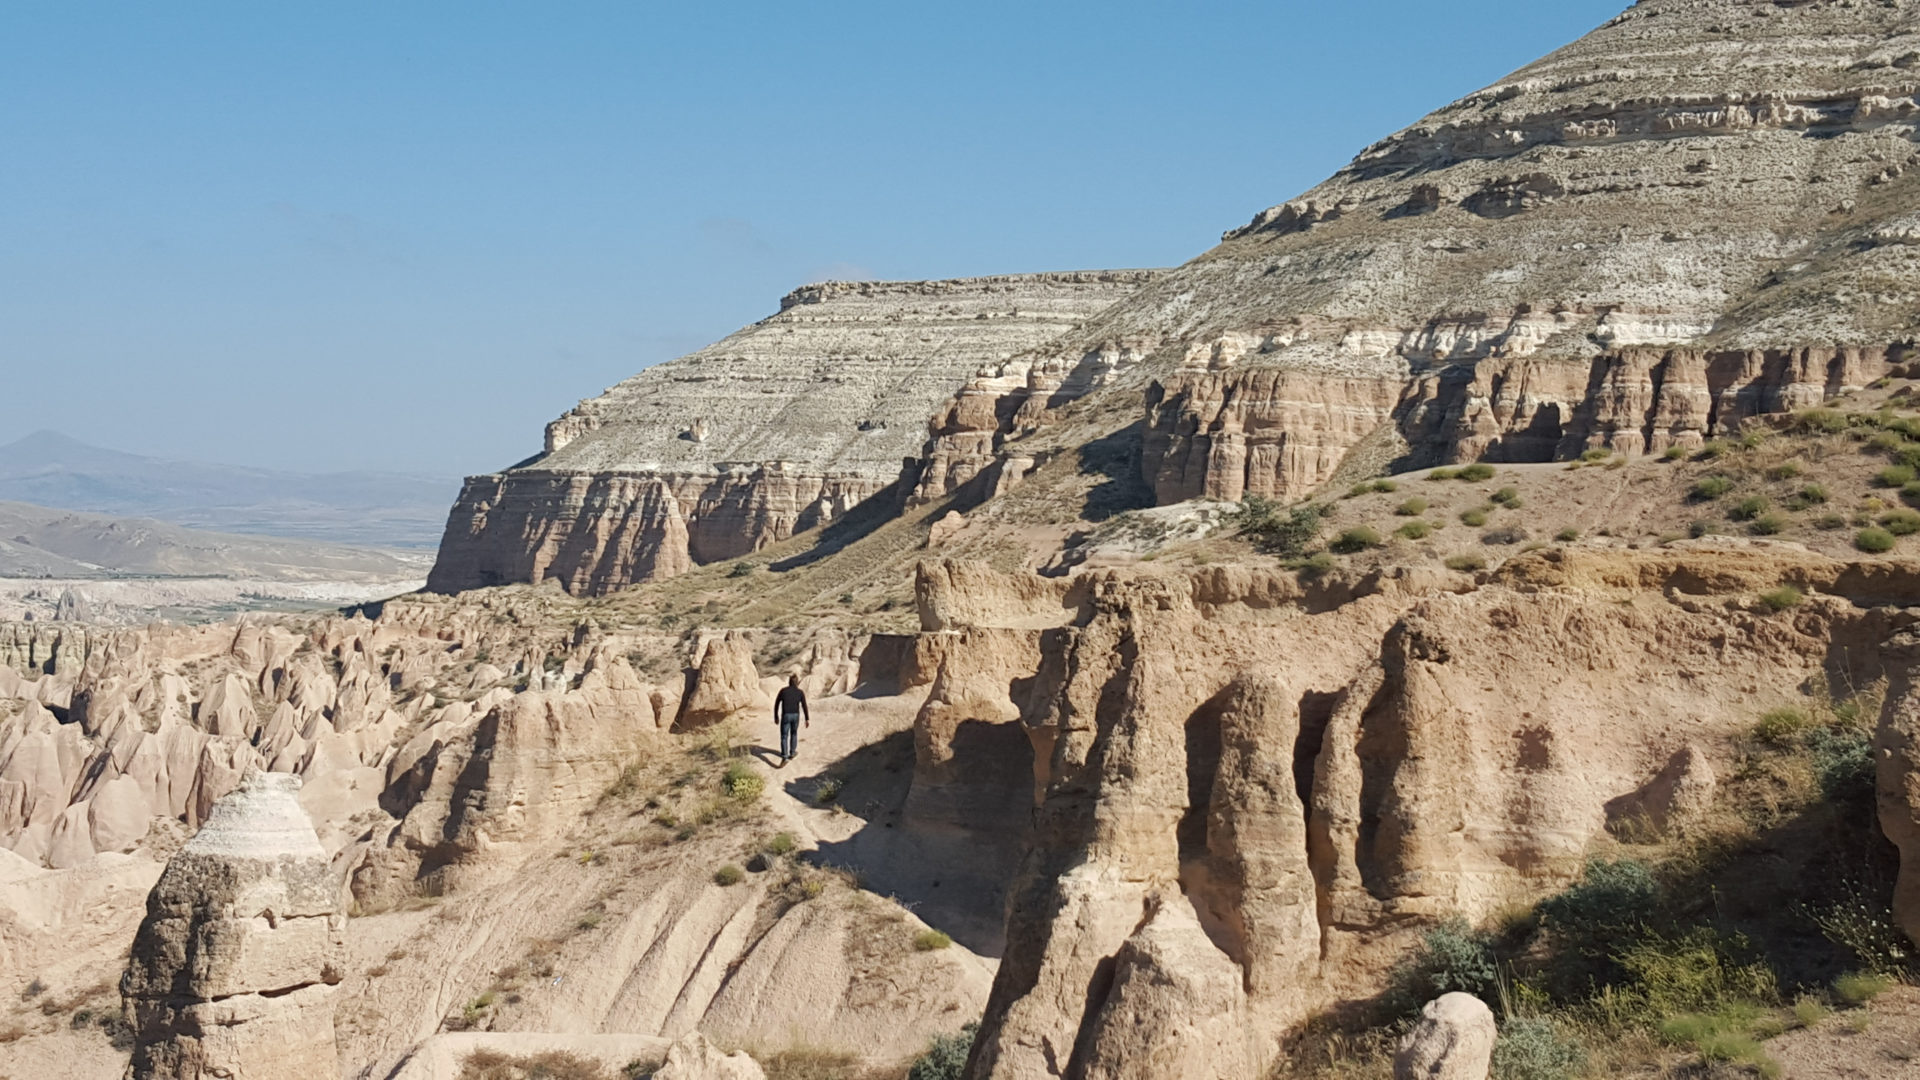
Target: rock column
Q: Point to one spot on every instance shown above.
(233, 968)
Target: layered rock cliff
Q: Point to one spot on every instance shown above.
(785, 425)
(1701, 211)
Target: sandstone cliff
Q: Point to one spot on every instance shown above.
(1699, 212)
(785, 425)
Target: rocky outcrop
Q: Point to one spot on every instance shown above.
(725, 685)
(1277, 789)
(1453, 1041)
(784, 426)
(1637, 242)
(694, 1058)
(232, 970)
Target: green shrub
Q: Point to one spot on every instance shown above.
(1415, 530)
(1782, 598)
(1786, 470)
(1567, 535)
(729, 875)
(1611, 903)
(1857, 988)
(1908, 456)
(1477, 472)
(1873, 541)
(1385, 487)
(828, 791)
(1749, 508)
(1466, 562)
(1413, 507)
(930, 940)
(1713, 450)
(946, 1058)
(1700, 528)
(1508, 497)
(1364, 487)
(1830, 522)
(741, 782)
(1886, 441)
(1894, 476)
(1673, 453)
(1444, 474)
(1842, 762)
(1316, 564)
(1475, 517)
(780, 844)
(1710, 487)
(1358, 538)
(1811, 495)
(1595, 454)
(1901, 522)
(1273, 528)
(1452, 956)
(741, 569)
(1768, 525)
(1533, 1048)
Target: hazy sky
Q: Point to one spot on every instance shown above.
(404, 236)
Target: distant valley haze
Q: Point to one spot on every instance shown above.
(49, 469)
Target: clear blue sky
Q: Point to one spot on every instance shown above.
(404, 236)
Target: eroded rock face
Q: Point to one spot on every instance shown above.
(1279, 793)
(1632, 243)
(785, 425)
(232, 970)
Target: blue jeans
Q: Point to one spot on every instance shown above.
(789, 736)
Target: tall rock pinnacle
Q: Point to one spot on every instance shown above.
(232, 970)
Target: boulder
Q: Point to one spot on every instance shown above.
(1453, 1041)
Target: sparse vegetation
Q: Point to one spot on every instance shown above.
(1673, 453)
(828, 791)
(1475, 517)
(781, 843)
(1466, 562)
(1476, 472)
(1508, 497)
(930, 940)
(1749, 508)
(1782, 598)
(1413, 507)
(1768, 525)
(1357, 539)
(742, 783)
(1857, 988)
(552, 1065)
(1894, 476)
(1710, 487)
(1444, 474)
(946, 1058)
(1873, 541)
(729, 875)
(1535, 1048)
(1275, 529)
(1595, 454)
(740, 570)
(1902, 522)
(1567, 535)
(1414, 530)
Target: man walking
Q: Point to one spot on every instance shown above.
(789, 705)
